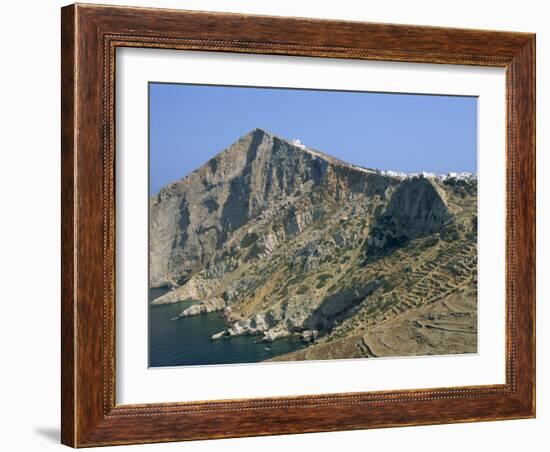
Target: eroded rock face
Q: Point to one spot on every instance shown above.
(288, 240)
(416, 208)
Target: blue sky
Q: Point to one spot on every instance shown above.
(189, 124)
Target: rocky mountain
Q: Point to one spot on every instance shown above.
(288, 240)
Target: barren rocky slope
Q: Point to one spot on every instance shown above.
(288, 240)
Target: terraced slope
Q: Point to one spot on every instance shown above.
(290, 241)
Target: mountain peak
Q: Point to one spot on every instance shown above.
(259, 131)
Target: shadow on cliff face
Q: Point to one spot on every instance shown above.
(183, 223)
(235, 211)
(415, 210)
(339, 306)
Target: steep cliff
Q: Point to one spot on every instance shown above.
(288, 240)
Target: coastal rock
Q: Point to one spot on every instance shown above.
(309, 335)
(189, 291)
(204, 307)
(256, 325)
(219, 335)
(274, 334)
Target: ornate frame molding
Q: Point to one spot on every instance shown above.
(90, 36)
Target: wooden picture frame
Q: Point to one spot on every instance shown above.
(90, 35)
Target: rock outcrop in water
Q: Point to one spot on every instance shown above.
(288, 240)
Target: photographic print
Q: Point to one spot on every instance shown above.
(292, 224)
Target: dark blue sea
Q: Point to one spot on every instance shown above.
(187, 341)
